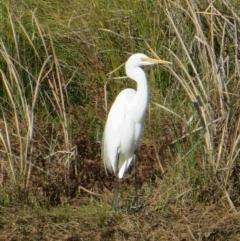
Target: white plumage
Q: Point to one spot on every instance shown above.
(125, 120)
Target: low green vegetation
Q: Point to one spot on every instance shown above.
(59, 71)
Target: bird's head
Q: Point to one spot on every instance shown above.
(137, 60)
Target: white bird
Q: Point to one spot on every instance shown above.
(125, 120)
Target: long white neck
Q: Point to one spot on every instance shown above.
(140, 101)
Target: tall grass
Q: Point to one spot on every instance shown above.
(33, 88)
(209, 76)
(192, 128)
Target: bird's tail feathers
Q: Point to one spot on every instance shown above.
(124, 167)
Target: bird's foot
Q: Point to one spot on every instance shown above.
(136, 208)
(130, 210)
(121, 210)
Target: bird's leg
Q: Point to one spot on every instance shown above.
(117, 183)
(116, 201)
(136, 207)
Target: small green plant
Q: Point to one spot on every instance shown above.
(4, 201)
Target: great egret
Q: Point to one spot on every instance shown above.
(125, 121)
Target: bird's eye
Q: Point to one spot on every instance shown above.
(143, 59)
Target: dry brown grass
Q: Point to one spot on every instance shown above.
(100, 222)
